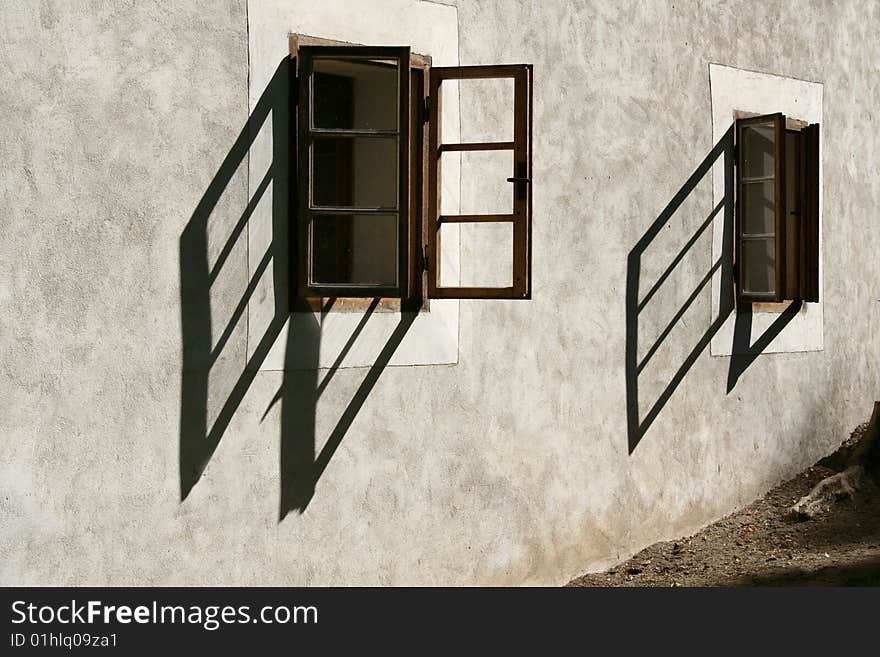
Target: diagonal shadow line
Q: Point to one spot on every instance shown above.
(336, 363)
(680, 256)
(244, 381)
(679, 375)
(744, 354)
(193, 464)
(239, 227)
(678, 315)
(724, 144)
(196, 442)
(237, 153)
(637, 427)
(299, 477)
(347, 347)
(240, 308)
(363, 392)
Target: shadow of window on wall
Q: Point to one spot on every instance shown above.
(660, 316)
(216, 371)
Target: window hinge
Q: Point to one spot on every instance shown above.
(426, 113)
(424, 258)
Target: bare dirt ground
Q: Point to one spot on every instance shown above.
(765, 545)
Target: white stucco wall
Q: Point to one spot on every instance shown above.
(149, 435)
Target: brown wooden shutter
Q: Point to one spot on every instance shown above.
(520, 181)
(810, 235)
(760, 208)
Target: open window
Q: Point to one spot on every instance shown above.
(517, 216)
(777, 210)
(368, 148)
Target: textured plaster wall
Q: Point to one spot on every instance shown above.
(511, 466)
(116, 117)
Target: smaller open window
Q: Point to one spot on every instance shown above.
(777, 210)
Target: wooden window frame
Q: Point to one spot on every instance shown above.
(809, 290)
(311, 295)
(418, 184)
(802, 238)
(778, 122)
(521, 178)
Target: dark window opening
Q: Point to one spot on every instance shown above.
(777, 210)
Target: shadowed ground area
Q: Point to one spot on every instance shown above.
(763, 545)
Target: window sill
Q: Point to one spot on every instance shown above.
(772, 307)
(353, 305)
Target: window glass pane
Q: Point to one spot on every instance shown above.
(354, 249)
(489, 116)
(450, 181)
(759, 265)
(354, 94)
(758, 207)
(758, 144)
(356, 172)
(484, 186)
(486, 254)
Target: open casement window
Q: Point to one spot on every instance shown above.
(777, 210)
(366, 174)
(519, 218)
(353, 128)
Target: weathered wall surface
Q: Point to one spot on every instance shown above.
(116, 118)
(124, 175)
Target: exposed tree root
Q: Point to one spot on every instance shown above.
(859, 458)
(830, 490)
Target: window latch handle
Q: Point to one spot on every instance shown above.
(521, 179)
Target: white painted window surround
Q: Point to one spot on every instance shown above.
(428, 28)
(747, 91)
